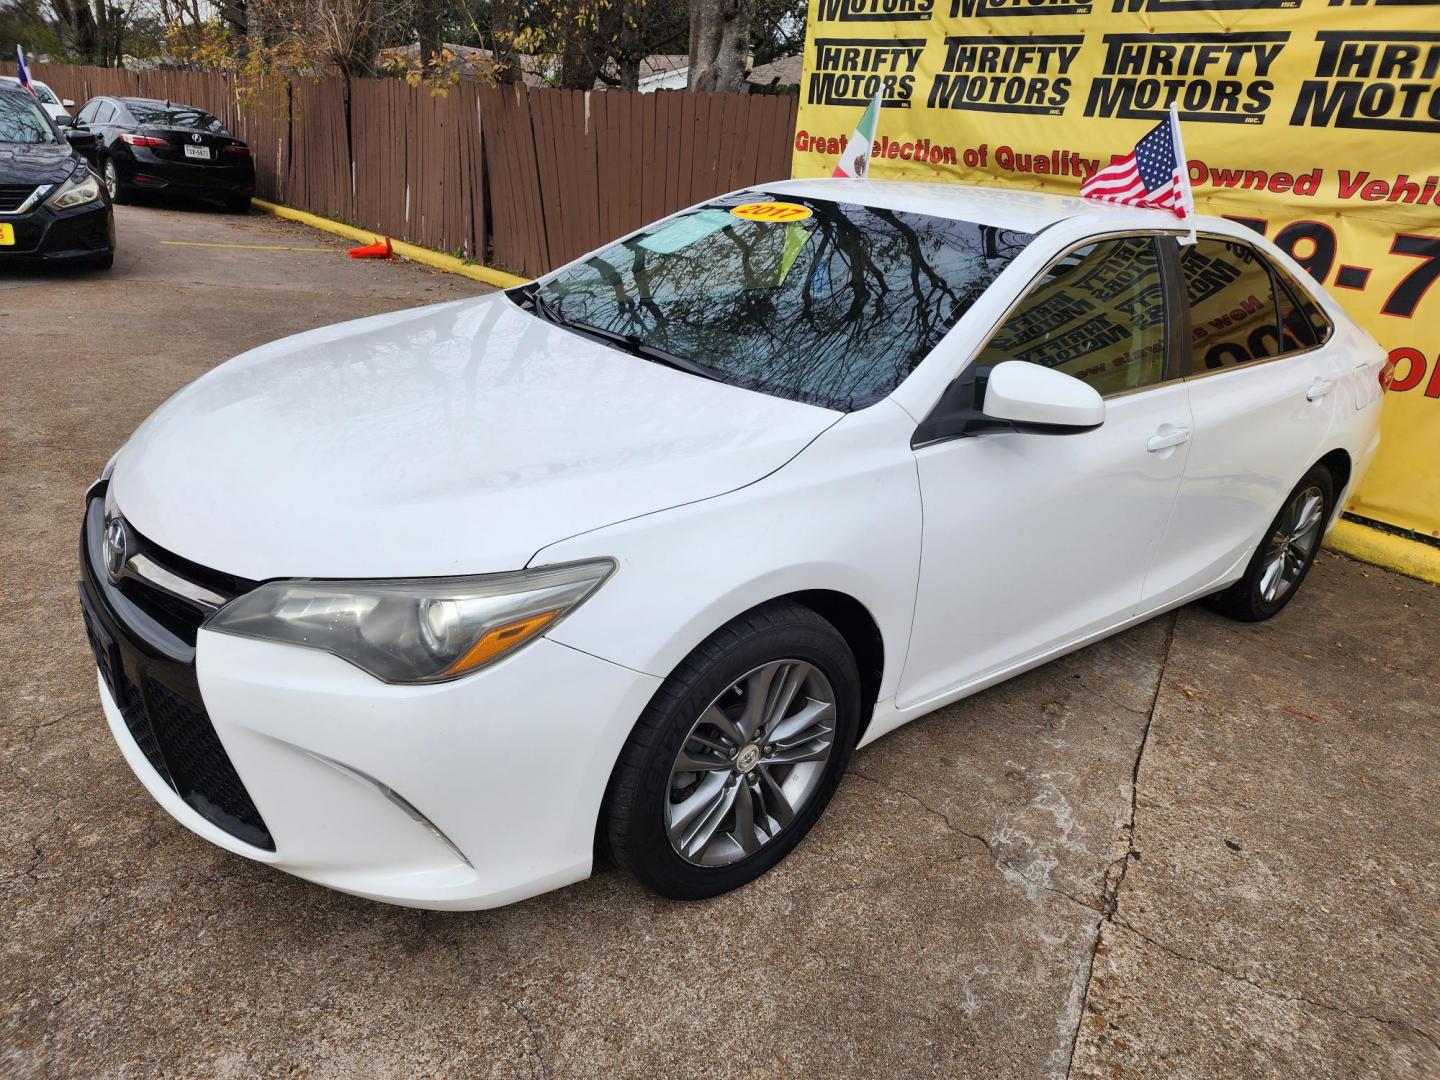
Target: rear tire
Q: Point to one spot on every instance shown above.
(119, 193)
(238, 206)
(751, 783)
(1283, 560)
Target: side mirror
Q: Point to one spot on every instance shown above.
(1016, 397)
(1040, 398)
(80, 138)
(67, 103)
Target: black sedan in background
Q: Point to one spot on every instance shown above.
(52, 205)
(161, 147)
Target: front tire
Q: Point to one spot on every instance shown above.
(736, 756)
(1285, 555)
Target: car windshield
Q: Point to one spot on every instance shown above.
(43, 93)
(173, 116)
(828, 303)
(22, 121)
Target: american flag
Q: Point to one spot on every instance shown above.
(1153, 174)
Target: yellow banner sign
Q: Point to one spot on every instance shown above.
(1315, 122)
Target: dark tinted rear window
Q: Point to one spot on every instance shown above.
(174, 116)
(833, 305)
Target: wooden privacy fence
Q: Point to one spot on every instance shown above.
(523, 179)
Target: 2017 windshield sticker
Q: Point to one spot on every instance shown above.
(780, 212)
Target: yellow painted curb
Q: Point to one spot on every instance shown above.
(451, 265)
(1408, 557)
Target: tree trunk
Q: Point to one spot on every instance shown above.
(629, 48)
(580, 64)
(428, 28)
(502, 31)
(719, 43)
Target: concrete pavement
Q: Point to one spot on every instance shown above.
(1199, 849)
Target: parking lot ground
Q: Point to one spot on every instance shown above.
(1198, 849)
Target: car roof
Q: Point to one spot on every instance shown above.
(178, 106)
(986, 204)
(12, 80)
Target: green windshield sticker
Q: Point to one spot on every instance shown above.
(795, 237)
(683, 233)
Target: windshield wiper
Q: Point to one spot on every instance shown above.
(631, 343)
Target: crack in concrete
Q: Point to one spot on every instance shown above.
(536, 1044)
(1115, 872)
(1271, 991)
(1115, 878)
(984, 842)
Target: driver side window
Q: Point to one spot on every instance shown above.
(1097, 314)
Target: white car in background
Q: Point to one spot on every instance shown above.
(429, 606)
(54, 107)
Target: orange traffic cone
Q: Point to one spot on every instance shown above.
(380, 249)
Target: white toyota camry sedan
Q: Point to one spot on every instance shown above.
(434, 606)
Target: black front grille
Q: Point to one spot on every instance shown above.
(12, 196)
(144, 645)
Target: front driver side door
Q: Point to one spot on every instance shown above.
(1034, 541)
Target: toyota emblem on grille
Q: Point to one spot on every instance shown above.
(115, 548)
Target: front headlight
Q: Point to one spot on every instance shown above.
(77, 192)
(419, 630)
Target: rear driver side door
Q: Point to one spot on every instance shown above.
(1032, 542)
(1264, 385)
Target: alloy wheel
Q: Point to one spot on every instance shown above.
(112, 179)
(1292, 544)
(750, 763)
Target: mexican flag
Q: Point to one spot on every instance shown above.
(855, 158)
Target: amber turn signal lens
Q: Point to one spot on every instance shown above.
(500, 640)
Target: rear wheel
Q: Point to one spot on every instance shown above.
(239, 205)
(736, 756)
(119, 193)
(1283, 560)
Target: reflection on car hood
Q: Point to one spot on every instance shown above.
(453, 439)
(31, 163)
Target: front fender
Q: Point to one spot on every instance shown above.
(843, 516)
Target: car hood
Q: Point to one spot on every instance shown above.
(453, 439)
(31, 163)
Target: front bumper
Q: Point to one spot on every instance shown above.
(58, 235)
(461, 795)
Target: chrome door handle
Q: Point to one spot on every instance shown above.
(1318, 389)
(1164, 439)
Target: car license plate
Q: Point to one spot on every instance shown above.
(7, 234)
(200, 152)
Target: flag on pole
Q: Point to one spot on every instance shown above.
(22, 74)
(1153, 174)
(855, 158)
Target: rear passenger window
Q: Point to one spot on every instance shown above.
(1308, 310)
(1098, 314)
(1296, 331)
(1232, 305)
